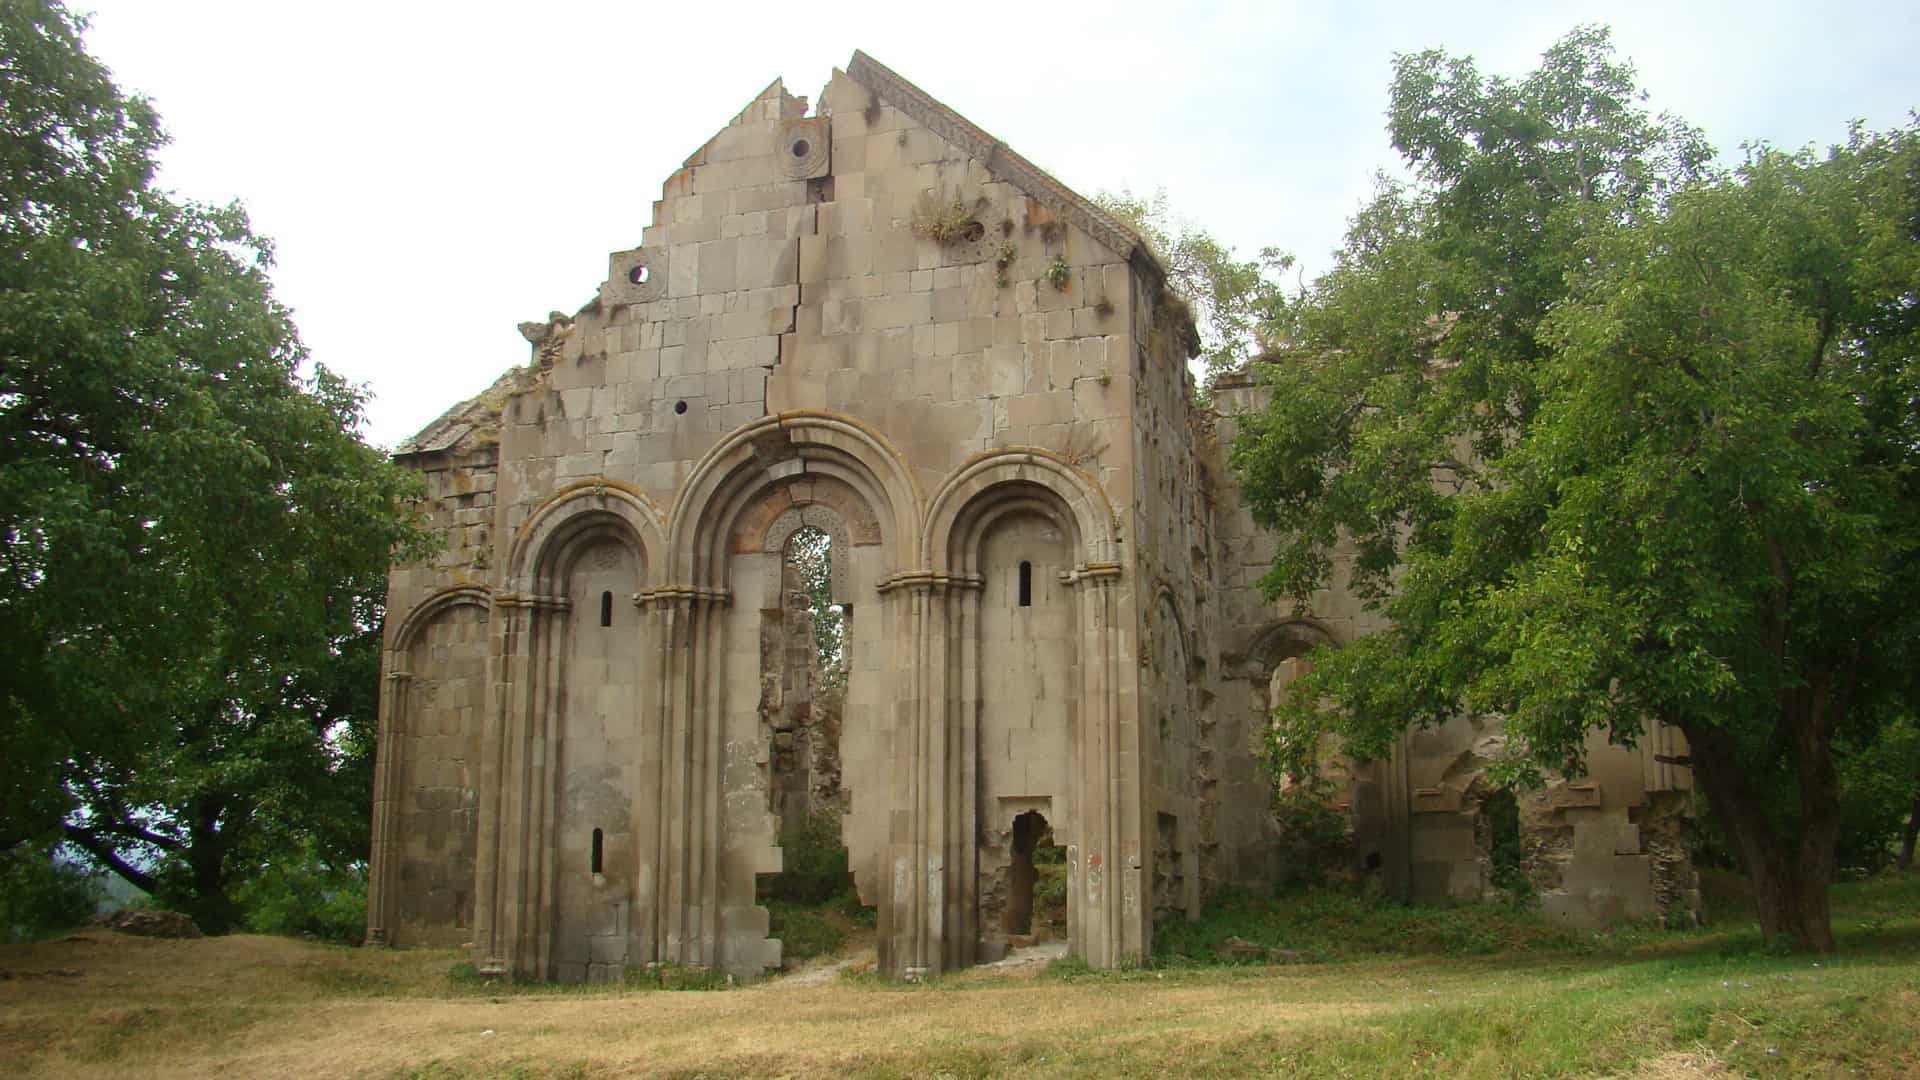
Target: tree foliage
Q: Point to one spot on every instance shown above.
(1613, 438)
(193, 540)
(1236, 302)
(810, 551)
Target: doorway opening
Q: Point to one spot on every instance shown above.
(1036, 881)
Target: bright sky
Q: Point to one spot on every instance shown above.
(434, 173)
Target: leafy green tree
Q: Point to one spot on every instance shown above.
(1237, 302)
(1879, 766)
(1615, 441)
(193, 540)
(41, 893)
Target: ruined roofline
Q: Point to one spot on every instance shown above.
(1003, 162)
(446, 430)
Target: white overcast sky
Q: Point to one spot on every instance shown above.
(434, 173)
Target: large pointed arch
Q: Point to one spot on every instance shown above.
(778, 448)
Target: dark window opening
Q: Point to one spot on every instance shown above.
(606, 609)
(596, 850)
(680, 408)
(801, 148)
(1026, 584)
(639, 275)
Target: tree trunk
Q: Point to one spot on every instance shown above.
(1788, 877)
(1911, 834)
(208, 847)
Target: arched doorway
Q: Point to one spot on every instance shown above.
(1036, 906)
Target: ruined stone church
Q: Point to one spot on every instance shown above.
(872, 339)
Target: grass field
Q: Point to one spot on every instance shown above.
(1498, 994)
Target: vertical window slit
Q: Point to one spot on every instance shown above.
(1026, 584)
(596, 850)
(606, 609)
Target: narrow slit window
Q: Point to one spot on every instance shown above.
(596, 850)
(1026, 584)
(606, 609)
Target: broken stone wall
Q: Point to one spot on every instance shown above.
(787, 335)
(1173, 559)
(1603, 848)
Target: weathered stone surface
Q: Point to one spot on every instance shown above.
(601, 708)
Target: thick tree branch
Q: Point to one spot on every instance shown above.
(100, 849)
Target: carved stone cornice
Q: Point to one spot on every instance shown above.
(682, 594)
(929, 581)
(1094, 573)
(531, 601)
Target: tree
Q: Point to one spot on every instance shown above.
(1616, 439)
(1236, 302)
(193, 540)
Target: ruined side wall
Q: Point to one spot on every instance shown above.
(1256, 640)
(435, 700)
(1606, 847)
(1173, 561)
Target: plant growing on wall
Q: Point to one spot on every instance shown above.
(946, 221)
(1059, 272)
(1237, 304)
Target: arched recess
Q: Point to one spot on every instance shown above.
(1024, 703)
(778, 448)
(580, 736)
(1372, 794)
(986, 480)
(427, 772)
(716, 577)
(1185, 786)
(585, 505)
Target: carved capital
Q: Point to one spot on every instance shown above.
(1092, 573)
(682, 596)
(927, 581)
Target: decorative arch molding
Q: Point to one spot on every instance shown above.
(1163, 597)
(427, 610)
(1281, 640)
(1026, 475)
(535, 564)
(778, 449)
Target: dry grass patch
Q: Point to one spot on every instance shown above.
(103, 1005)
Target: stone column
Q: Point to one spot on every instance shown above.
(382, 871)
(927, 904)
(691, 669)
(1108, 912)
(507, 655)
(512, 923)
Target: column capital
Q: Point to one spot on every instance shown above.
(1091, 573)
(929, 581)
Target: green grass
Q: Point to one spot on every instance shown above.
(1325, 926)
(807, 930)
